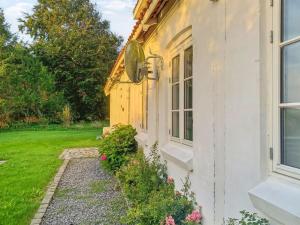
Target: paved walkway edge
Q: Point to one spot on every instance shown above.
(37, 219)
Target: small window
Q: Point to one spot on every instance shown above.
(182, 96)
(188, 94)
(175, 96)
(289, 102)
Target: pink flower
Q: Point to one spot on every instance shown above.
(195, 216)
(103, 157)
(170, 220)
(170, 180)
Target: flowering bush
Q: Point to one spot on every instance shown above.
(193, 218)
(170, 220)
(248, 219)
(118, 147)
(163, 207)
(103, 157)
(142, 175)
(152, 194)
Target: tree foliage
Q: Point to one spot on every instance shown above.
(6, 37)
(27, 89)
(75, 43)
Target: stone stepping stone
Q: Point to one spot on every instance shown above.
(78, 153)
(2, 162)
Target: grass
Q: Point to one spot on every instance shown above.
(32, 161)
(100, 186)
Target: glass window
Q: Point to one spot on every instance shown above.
(175, 96)
(182, 96)
(175, 69)
(290, 80)
(290, 19)
(175, 124)
(188, 62)
(188, 125)
(188, 94)
(289, 106)
(290, 121)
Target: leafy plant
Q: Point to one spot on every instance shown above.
(27, 89)
(141, 176)
(67, 116)
(151, 193)
(162, 206)
(76, 45)
(248, 219)
(118, 147)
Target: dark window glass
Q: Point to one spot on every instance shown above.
(175, 124)
(175, 96)
(175, 69)
(290, 137)
(188, 125)
(188, 94)
(188, 62)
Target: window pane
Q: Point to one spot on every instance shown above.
(290, 137)
(188, 94)
(290, 78)
(290, 19)
(188, 62)
(175, 96)
(188, 125)
(175, 69)
(175, 124)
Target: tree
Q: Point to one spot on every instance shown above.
(75, 43)
(5, 35)
(7, 39)
(27, 89)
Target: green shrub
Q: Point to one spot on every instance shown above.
(151, 192)
(162, 204)
(66, 116)
(117, 148)
(141, 176)
(248, 219)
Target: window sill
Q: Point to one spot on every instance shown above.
(181, 155)
(279, 199)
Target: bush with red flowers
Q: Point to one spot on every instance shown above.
(118, 147)
(152, 195)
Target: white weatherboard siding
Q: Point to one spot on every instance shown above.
(232, 76)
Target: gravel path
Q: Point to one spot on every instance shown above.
(86, 195)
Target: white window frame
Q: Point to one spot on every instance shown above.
(277, 167)
(179, 50)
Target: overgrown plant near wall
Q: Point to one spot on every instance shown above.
(118, 147)
(248, 219)
(141, 176)
(152, 196)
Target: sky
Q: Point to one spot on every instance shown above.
(118, 12)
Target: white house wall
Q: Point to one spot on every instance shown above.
(229, 98)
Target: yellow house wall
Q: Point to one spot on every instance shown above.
(126, 104)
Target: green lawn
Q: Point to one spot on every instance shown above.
(32, 161)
